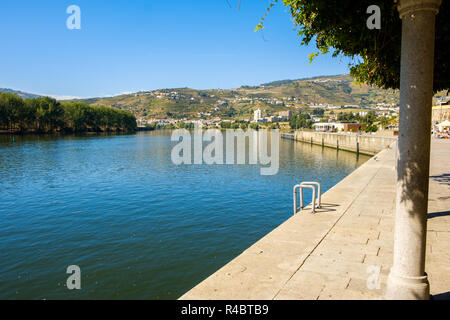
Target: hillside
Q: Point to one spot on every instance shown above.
(240, 103)
(23, 95)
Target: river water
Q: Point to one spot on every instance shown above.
(137, 225)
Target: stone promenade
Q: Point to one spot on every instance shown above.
(338, 252)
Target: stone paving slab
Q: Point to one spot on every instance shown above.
(333, 254)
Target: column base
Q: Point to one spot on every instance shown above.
(407, 288)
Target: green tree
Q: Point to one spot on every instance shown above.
(254, 126)
(371, 128)
(318, 112)
(48, 115)
(225, 124)
(369, 118)
(274, 126)
(348, 117)
(301, 120)
(27, 115)
(183, 125)
(4, 112)
(384, 121)
(10, 109)
(339, 27)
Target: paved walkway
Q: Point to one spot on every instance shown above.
(333, 254)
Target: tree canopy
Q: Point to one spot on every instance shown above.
(301, 120)
(48, 115)
(340, 27)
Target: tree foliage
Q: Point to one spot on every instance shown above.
(351, 117)
(48, 115)
(318, 112)
(301, 120)
(340, 27)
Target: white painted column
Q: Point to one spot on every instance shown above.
(407, 279)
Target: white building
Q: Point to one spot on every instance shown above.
(258, 115)
(328, 126)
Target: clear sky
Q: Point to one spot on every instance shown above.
(128, 46)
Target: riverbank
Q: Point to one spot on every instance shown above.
(365, 144)
(334, 253)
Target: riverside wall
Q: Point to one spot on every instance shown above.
(365, 144)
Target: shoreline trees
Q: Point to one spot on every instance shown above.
(47, 115)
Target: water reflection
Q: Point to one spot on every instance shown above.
(138, 226)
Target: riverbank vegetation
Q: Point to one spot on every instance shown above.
(370, 119)
(47, 115)
(301, 121)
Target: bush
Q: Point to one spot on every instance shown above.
(254, 126)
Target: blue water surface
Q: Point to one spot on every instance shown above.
(138, 226)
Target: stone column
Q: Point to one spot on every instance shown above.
(407, 279)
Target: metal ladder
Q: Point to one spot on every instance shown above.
(308, 185)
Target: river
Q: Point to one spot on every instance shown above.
(137, 225)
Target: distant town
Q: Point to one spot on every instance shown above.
(322, 118)
(327, 104)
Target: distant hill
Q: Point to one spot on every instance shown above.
(283, 82)
(21, 94)
(240, 103)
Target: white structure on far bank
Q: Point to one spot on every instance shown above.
(258, 115)
(328, 126)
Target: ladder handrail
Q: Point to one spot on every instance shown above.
(301, 187)
(309, 185)
(319, 189)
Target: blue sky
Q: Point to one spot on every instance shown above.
(128, 46)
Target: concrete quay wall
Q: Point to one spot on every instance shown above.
(366, 144)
